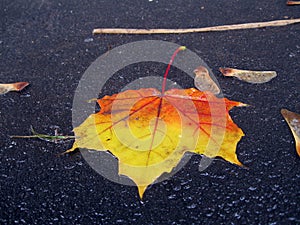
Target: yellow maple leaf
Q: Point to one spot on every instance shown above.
(149, 131)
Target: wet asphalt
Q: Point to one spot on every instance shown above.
(50, 44)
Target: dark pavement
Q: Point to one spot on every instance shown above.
(48, 43)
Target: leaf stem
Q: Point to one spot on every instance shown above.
(181, 48)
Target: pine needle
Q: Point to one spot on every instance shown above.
(44, 137)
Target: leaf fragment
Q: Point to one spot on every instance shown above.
(249, 75)
(293, 120)
(204, 82)
(4, 88)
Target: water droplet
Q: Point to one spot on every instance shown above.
(291, 55)
(192, 206)
(12, 144)
(25, 96)
(177, 188)
(204, 174)
(92, 151)
(252, 188)
(186, 187)
(209, 214)
(172, 196)
(88, 40)
(79, 163)
(238, 216)
(69, 167)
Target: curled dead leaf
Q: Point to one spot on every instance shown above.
(249, 75)
(293, 3)
(293, 120)
(203, 81)
(4, 88)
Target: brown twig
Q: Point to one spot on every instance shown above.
(194, 30)
(293, 3)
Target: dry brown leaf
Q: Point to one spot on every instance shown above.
(293, 2)
(256, 77)
(203, 81)
(293, 120)
(4, 88)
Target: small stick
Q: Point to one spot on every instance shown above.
(194, 30)
(293, 120)
(293, 3)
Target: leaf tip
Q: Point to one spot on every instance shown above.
(284, 112)
(74, 147)
(238, 163)
(20, 85)
(244, 105)
(141, 190)
(226, 71)
(182, 48)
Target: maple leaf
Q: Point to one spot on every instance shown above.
(293, 120)
(149, 131)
